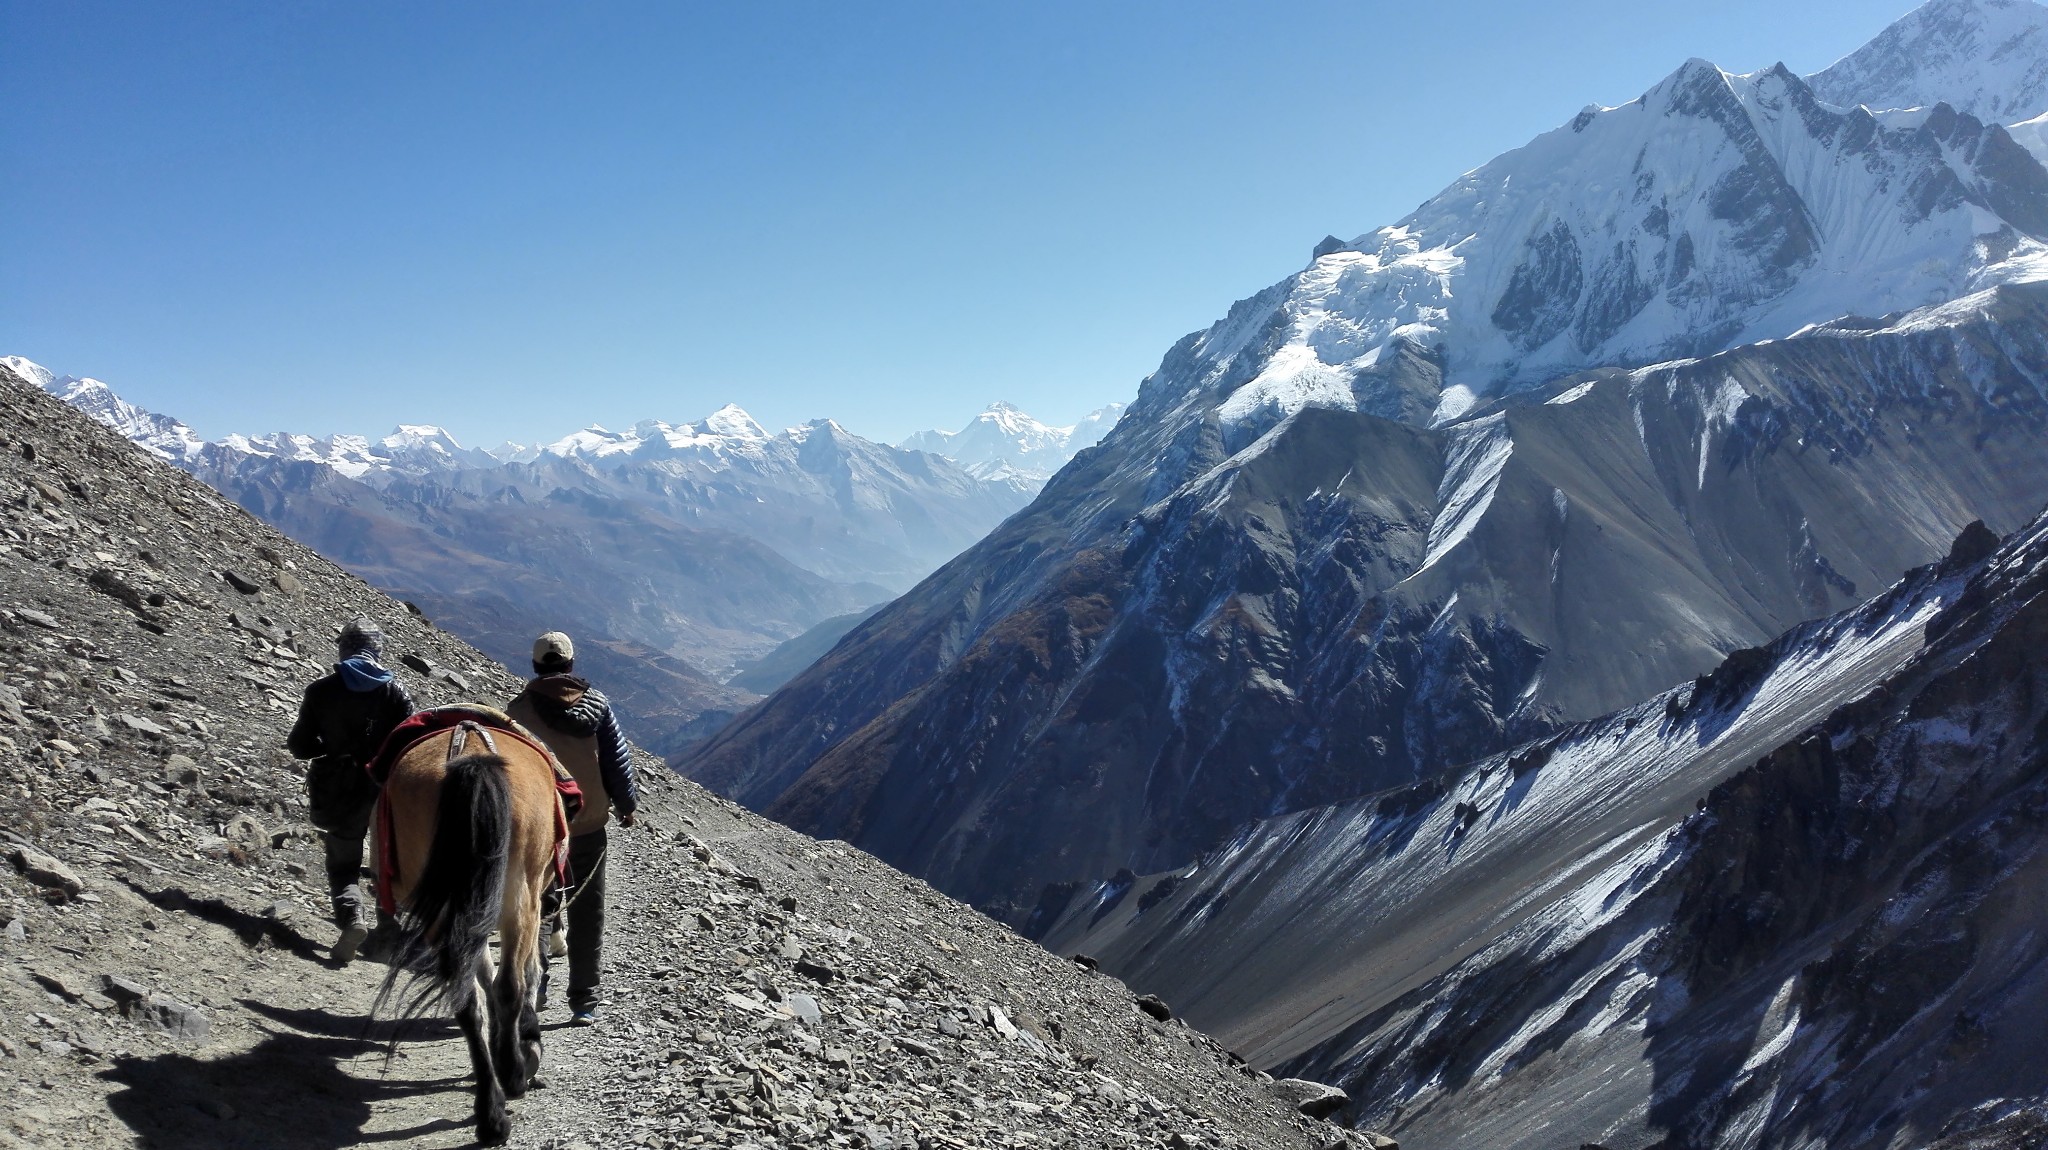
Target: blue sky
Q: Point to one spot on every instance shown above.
(516, 219)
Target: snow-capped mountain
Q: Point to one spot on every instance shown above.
(1715, 210)
(1003, 443)
(1179, 633)
(410, 450)
(1657, 386)
(159, 434)
(1981, 57)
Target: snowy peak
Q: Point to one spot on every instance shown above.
(34, 372)
(1005, 443)
(160, 435)
(730, 421)
(1988, 58)
(1714, 210)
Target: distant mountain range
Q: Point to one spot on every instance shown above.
(685, 552)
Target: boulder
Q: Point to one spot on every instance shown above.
(1152, 1004)
(1315, 1099)
(48, 872)
(179, 1019)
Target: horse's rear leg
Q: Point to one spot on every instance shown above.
(515, 1020)
(493, 1127)
(515, 1024)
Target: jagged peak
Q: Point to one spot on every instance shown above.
(732, 421)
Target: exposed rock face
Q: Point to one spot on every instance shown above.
(1183, 632)
(1788, 905)
(163, 967)
(1983, 57)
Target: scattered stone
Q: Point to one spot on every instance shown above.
(1085, 962)
(109, 583)
(124, 991)
(55, 984)
(287, 582)
(37, 618)
(805, 1008)
(1315, 1099)
(238, 582)
(47, 872)
(180, 771)
(816, 971)
(1152, 1005)
(246, 834)
(148, 728)
(179, 1019)
(419, 663)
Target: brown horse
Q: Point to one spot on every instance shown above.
(472, 837)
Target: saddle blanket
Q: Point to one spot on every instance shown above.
(426, 724)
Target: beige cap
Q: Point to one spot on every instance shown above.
(553, 647)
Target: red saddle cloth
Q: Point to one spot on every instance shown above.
(426, 724)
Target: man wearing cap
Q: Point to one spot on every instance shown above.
(343, 719)
(576, 722)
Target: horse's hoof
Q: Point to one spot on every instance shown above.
(490, 1133)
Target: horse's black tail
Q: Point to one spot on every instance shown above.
(455, 901)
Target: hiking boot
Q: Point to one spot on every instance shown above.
(351, 940)
(583, 1016)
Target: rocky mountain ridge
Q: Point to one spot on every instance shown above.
(163, 978)
(1788, 904)
(1353, 602)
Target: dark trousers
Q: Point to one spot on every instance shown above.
(340, 799)
(344, 874)
(586, 917)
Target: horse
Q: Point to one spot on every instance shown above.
(472, 839)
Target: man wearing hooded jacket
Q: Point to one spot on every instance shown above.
(343, 719)
(575, 720)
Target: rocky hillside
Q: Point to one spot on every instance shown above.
(162, 946)
(1794, 903)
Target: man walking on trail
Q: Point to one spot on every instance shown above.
(576, 723)
(342, 721)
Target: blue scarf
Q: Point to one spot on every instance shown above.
(361, 673)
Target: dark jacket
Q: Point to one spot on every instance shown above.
(345, 715)
(575, 720)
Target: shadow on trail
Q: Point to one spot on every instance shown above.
(292, 1089)
(376, 1032)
